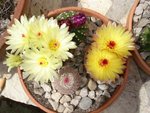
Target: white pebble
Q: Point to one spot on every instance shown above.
(46, 87)
(65, 98)
(54, 104)
(102, 86)
(47, 95)
(91, 94)
(84, 92)
(61, 108)
(56, 96)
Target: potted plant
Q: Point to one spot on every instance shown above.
(74, 61)
(141, 32)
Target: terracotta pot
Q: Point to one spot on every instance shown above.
(118, 90)
(17, 13)
(139, 60)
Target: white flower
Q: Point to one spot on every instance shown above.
(40, 66)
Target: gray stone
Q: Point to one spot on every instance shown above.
(75, 101)
(136, 18)
(106, 93)
(36, 85)
(85, 103)
(65, 98)
(91, 94)
(38, 91)
(92, 85)
(54, 104)
(143, 22)
(102, 86)
(138, 30)
(145, 5)
(139, 9)
(77, 92)
(61, 108)
(83, 81)
(47, 88)
(69, 109)
(84, 92)
(100, 82)
(7, 76)
(146, 13)
(56, 96)
(142, 1)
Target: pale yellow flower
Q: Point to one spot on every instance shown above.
(40, 66)
(59, 41)
(19, 39)
(12, 61)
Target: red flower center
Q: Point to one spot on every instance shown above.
(39, 33)
(111, 44)
(103, 62)
(66, 80)
(23, 36)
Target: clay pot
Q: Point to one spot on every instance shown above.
(137, 57)
(17, 13)
(118, 90)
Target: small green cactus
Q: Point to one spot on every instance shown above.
(65, 15)
(144, 40)
(80, 33)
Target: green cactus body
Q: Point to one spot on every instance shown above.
(144, 40)
(65, 15)
(80, 33)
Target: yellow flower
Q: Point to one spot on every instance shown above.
(40, 66)
(12, 61)
(103, 65)
(19, 39)
(59, 41)
(115, 39)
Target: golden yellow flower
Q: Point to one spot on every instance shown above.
(103, 65)
(114, 39)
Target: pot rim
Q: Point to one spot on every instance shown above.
(118, 90)
(17, 13)
(136, 55)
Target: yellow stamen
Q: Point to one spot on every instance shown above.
(42, 61)
(54, 45)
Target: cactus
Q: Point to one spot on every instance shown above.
(68, 82)
(144, 40)
(80, 33)
(65, 15)
(76, 23)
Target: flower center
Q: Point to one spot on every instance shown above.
(103, 62)
(66, 80)
(39, 34)
(42, 62)
(111, 44)
(23, 35)
(54, 45)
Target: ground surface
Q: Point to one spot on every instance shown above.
(136, 96)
